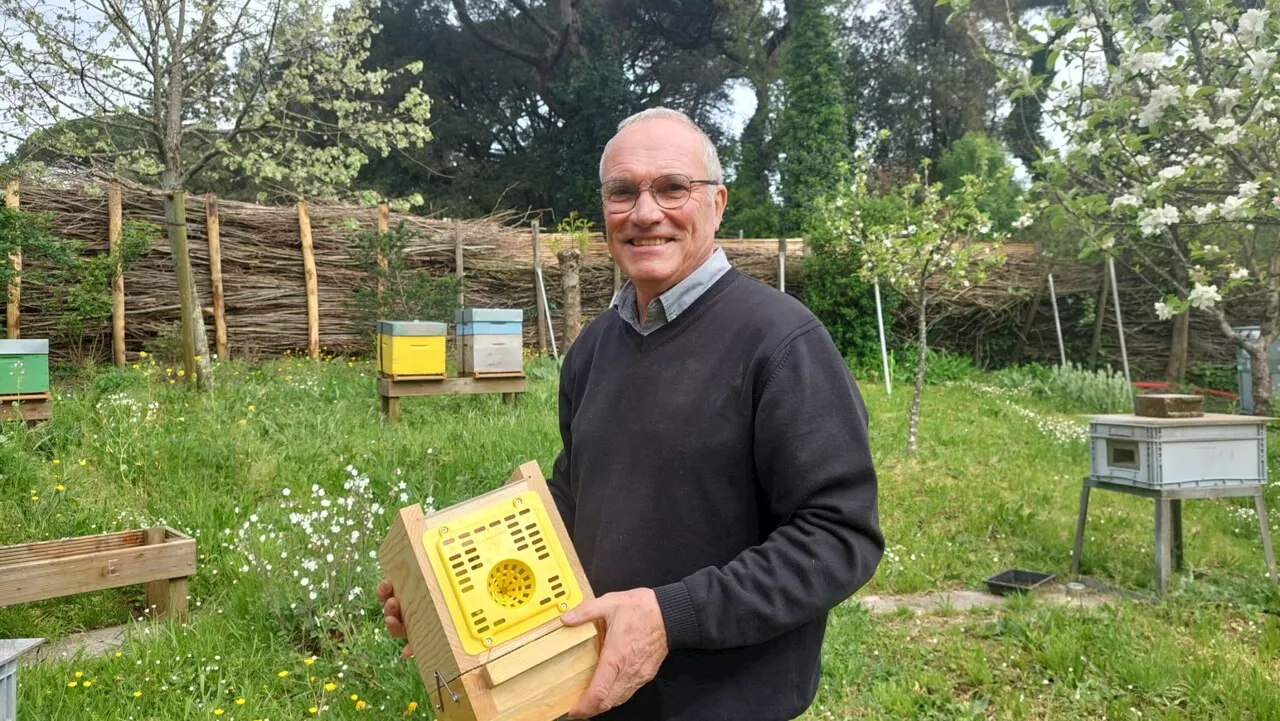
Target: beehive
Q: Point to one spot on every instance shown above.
(482, 586)
(410, 348)
(24, 366)
(489, 340)
(1199, 452)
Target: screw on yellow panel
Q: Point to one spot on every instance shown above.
(503, 572)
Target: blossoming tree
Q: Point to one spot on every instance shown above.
(1173, 146)
(917, 240)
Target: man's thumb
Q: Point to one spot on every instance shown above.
(581, 613)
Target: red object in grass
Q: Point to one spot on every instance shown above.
(1166, 386)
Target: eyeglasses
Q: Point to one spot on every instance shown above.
(669, 191)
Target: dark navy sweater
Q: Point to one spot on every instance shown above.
(723, 462)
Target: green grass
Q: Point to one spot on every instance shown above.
(995, 486)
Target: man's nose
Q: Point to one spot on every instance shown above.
(647, 210)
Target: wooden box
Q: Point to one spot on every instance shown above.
(482, 586)
(1168, 405)
(24, 366)
(410, 349)
(1210, 450)
(160, 557)
(490, 341)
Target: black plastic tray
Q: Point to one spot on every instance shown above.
(1016, 580)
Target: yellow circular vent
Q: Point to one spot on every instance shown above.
(511, 583)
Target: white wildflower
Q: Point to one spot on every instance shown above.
(307, 582)
(285, 492)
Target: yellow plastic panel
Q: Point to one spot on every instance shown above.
(502, 570)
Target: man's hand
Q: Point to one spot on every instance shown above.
(391, 615)
(635, 644)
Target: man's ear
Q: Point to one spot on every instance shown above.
(721, 201)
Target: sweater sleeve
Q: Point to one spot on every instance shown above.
(814, 470)
(558, 483)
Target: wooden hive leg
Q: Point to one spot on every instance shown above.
(165, 597)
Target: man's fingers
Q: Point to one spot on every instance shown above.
(408, 651)
(391, 607)
(395, 627)
(385, 590)
(589, 610)
(595, 699)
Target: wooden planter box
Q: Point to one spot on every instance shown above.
(161, 558)
(482, 586)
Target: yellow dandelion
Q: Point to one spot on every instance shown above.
(239, 702)
(136, 694)
(308, 661)
(243, 421)
(314, 710)
(56, 462)
(282, 674)
(354, 697)
(360, 705)
(83, 462)
(118, 654)
(170, 381)
(59, 487)
(79, 674)
(87, 684)
(330, 686)
(72, 684)
(413, 705)
(135, 366)
(218, 712)
(35, 498)
(252, 409)
(142, 354)
(181, 372)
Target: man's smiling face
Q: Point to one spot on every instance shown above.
(658, 247)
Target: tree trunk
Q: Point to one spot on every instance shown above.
(572, 295)
(1099, 314)
(195, 346)
(1261, 377)
(913, 424)
(1176, 370)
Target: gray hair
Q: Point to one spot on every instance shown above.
(710, 158)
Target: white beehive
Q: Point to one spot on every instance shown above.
(1210, 450)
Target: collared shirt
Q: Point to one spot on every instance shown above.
(666, 307)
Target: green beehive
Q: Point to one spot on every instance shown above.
(24, 366)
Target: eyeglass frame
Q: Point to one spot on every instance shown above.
(641, 187)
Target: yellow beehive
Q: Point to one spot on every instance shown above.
(407, 349)
(482, 586)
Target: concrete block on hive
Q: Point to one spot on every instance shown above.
(482, 585)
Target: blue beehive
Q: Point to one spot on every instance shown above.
(490, 340)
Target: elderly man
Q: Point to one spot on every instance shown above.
(715, 477)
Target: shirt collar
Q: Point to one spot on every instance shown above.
(680, 296)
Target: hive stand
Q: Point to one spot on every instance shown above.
(1168, 522)
(535, 673)
(31, 408)
(390, 390)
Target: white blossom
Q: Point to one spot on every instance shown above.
(1252, 25)
(1248, 190)
(1093, 148)
(1204, 296)
(1171, 172)
(1229, 138)
(1141, 62)
(1258, 63)
(1156, 219)
(1163, 311)
(1126, 199)
(1157, 24)
(1239, 274)
(1161, 98)
(1087, 22)
(1233, 207)
(1204, 212)
(1025, 221)
(1201, 122)
(1227, 97)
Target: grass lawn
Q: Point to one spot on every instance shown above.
(287, 477)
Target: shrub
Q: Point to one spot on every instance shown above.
(1071, 387)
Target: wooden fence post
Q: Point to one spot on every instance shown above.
(1099, 314)
(569, 259)
(457, 258)
(213, 231)
(539, 293)
(115, 221)
(782, 264)
(309, 266)
(384, 223)
(15, 286)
